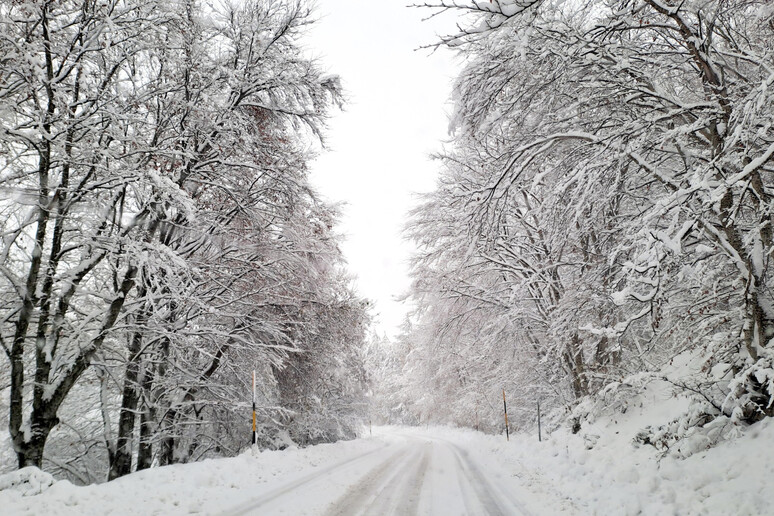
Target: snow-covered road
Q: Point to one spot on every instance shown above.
(408, 475)
(436, 470)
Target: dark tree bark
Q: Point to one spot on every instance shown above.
(122, 463)
(44, 407)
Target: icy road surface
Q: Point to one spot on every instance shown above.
(411, 474)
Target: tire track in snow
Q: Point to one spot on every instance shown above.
(251, 506)
(488, 497)
(416, 483)
(393, 487)
(426, 475)
(493, 500)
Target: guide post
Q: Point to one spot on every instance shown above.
(505, 410)
(254, 436)
(540, 438)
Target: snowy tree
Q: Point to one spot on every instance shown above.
(70, 153)
(611, 176)
(157, 211)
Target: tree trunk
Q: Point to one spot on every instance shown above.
(45, 405)
(574, 360)
(167, 451)
(145, 446)
(122, 465)
(31, 453)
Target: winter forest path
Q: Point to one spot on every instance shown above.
(409, 475)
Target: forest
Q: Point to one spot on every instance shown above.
(603, 206)
(160, 239)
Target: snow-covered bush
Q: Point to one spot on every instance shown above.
(751, 392)
(28, 481)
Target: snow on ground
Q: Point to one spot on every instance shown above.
(441, 470)
(615, 477)
(207, 487)
(601, 470)
(398, 471)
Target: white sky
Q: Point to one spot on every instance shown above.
(380, 145)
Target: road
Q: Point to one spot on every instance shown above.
(408, 475)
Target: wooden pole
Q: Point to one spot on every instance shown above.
(254, 434)
(540, 438)
(505, 410)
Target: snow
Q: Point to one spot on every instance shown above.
(751, 167)
(442, 470)
(26, 482)
(205, 487)
(604, 471)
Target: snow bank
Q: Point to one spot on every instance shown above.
(617, 477)
(206, 487)
(26, 482)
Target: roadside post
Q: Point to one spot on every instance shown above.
(540, 438)
(505, 411)
(254, 436)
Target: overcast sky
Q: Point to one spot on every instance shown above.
(379, 147)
